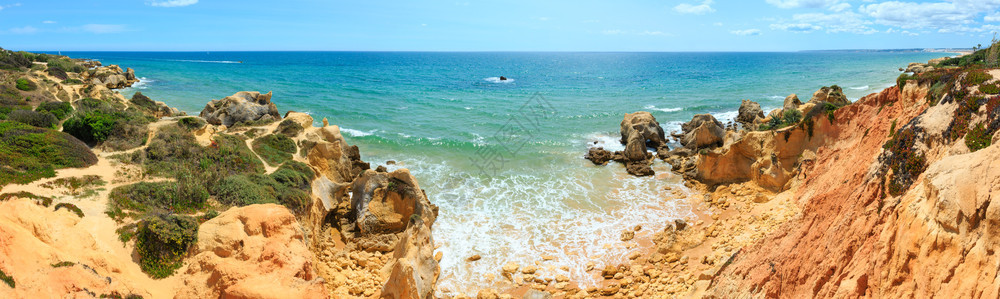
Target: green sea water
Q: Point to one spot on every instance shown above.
(504, 158)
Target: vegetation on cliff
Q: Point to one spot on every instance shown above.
(28, 153)
(162, 241)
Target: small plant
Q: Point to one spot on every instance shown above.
(787, 118)
(191, 123)
(41, 200)
(61, 110)
(993, 88)
(7, 279)
(26, 85)
(127, 232)
(208, 216)
(63, 264)
(976, 77)
(892, 128)
(72, 82)
(978, 138)
(70, 207)
(162, 241)
(289, 128)
(274, 148)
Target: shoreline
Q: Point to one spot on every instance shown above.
(685, 258)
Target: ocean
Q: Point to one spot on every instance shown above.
(503, 159)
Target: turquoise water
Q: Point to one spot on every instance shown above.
(439, 115)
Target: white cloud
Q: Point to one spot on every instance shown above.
(836, 23)
(24, 30)
(9, 6)
(627, 32)
(104, 28)
(746, 32)
(802, 3)
(171, 3)
(995, 17)
(48, 22)
(799, 27)
(839, 7)
(929, 15)
(700, 9)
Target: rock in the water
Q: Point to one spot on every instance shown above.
(598, 155)
(257, 251)
(636, 157)
(645, 125)
(242, 107)
(750, 114)
(703, 131)
(830, 94)
(791, 102)
(414, 271)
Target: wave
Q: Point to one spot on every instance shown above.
(497, 80)
(203, 61)
(142, 84)
(859, 87)
(651, 107)
(607, 141)
(357, 133)
(727, 116)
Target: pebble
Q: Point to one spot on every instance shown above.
(474, 258)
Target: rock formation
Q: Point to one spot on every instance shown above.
(645, 126)
(414, 271)
(791, 102)
(242, 107)
(832, 94)
(749, 115)
(703, 131)
(256, 251)
(639, 130)
(111, 77)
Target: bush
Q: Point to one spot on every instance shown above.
(28, 153)
(274, 148)
(903, 159)
(976, 77)
(26, 85)
(57, 72)
(184, 196)
(243, 190)
(191, 123)
(289, 128)
(63, 264)
(7, 279)
(162, 241)
(42, 119)
(99, 121)
(70, 207)
(142, 101)
(787, 118)
(61, 110)
(41, 200)
(72, 81)
(294, 174)
(993, 88)
(978, 138)
(10, 60)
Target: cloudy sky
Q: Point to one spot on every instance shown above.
(507, 25)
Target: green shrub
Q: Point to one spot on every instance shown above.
(274, 148)
(10, 60)
(208, 216)
(183, 196)
(72, 81)
(98, 121)
(63, 264)
(57, 72)
(70, 207)
(42, 119)
(61, 110)
(91, 127)
(28, 153)
(41, 200)
(191, 123)
(903, 159)
(978, 138)
(7, 279)
(901, 80)
(162, 241)
(26, 85)
(993, 88)
(142, 101)
(243, 190)
(289, 128)
(294, 174)
(65, 64)
(127, 232)
(787, 118)
(976, 77)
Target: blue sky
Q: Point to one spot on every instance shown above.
(508, 25)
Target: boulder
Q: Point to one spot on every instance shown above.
(644, 124)
(791, 102)
(636, 157)
(830, 94)
(413, 272)
(750, 114)
(242, 107)
(257, 251)
(703, 131)
(111, 77)
(383, 203)
(598, 155)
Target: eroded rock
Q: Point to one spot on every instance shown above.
(242, 107)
